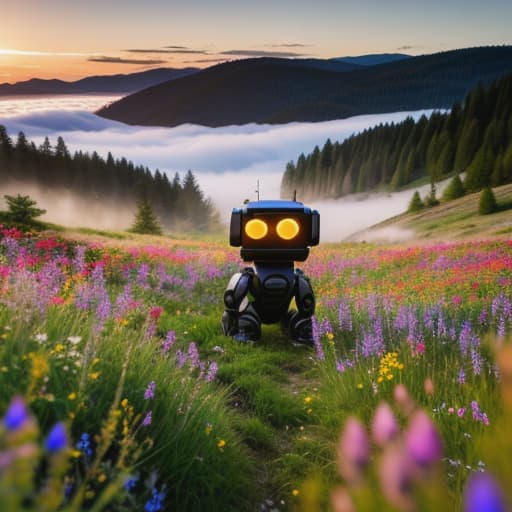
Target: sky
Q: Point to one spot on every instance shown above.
(72, 39)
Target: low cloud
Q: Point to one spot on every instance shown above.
(289, 45)
(258, 53)
(227, 161)
(204, 61)
(121, 60)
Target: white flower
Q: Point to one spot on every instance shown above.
(41, 338)
(75, 339)
(218, 349)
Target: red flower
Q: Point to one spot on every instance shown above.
(155, 312)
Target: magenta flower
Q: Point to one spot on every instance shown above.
(353, 451)
(384, 425)
(482, 494)
(422, 440)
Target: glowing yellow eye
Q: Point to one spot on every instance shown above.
(287, 229)
(256, 229)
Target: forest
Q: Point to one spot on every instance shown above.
(474, 138)
(179, 203)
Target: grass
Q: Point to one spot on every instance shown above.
(455, 219)
(264, 433)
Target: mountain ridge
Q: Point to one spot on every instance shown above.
(118, 83)
(271, 90)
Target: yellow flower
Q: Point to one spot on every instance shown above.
(72, 396)
(124, 403)
(59, 347)
(308, 400)
(221, 443)
(295, 492)
(76, 454)
(208, 429)
(94, 376)
(96, 360)
(330, 336)
(359, 386)
(102, 477)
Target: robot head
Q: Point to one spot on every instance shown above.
(274, 230)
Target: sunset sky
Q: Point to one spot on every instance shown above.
(72, 39)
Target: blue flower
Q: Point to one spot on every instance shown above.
(84, 445)
(57, 439)
(155, 503)
(130, 483)
(482, 494)
(16, 415)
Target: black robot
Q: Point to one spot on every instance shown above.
(273, 234)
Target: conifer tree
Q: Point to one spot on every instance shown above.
(145, 219)
(22, 210)
(487, 202)
(455, 189)
(416, 203)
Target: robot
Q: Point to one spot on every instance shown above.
(272, 234)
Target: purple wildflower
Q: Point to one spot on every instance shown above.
(384, 425)
(147, 419)
(181, 357)
(422, 440)
(353, 451)
(476, 361)
(150, 391)
(501, 327)
(315, 328)
(143, 275)
(461, 379)
(169, 341)
(344, 316)
(193, 355)
(482, 493)
(212, 372)
(84, 444)
(461, 411)
(130, 483)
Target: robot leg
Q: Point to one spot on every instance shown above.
(240, 319)
(301, 330)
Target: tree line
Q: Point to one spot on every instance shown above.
(106, 182)
(474, 138)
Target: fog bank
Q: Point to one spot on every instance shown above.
(227, 161)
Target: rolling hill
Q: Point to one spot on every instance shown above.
(269, 90)
(121, 83)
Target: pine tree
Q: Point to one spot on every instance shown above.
(488, 202)
(416, 203)
(22, 210)
(145, 220)
(454, 190)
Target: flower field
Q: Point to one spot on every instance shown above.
(119, 391)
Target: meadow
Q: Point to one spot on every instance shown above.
(119, 391)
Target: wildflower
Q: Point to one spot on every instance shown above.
(169, 341)
(17, 414)
(353, 451)
(395, 475)
(84, 445)
(384, 425)
(422, 440)
(74, 340)
(308, 399)
(57, 439)
(94, 375)
(154, 504)
(147, 419)
(295, 492)
(461, 411)
(72, 396)
(221, 444)
(429, 386)
(208, 429)
(155, 312)
(41, 338)
(212, 372)
(150, 391)
(124, 403)
(403, 399)
(130, 483)
(482, 493)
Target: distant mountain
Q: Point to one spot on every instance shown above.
(96, 84)
(373, 59)
(282, 90)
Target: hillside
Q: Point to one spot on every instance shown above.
(475, 138)
(279, 90)
(121, 83)
(449, 221)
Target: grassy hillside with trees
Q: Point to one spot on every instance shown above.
(474, 138)
(105, 182)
